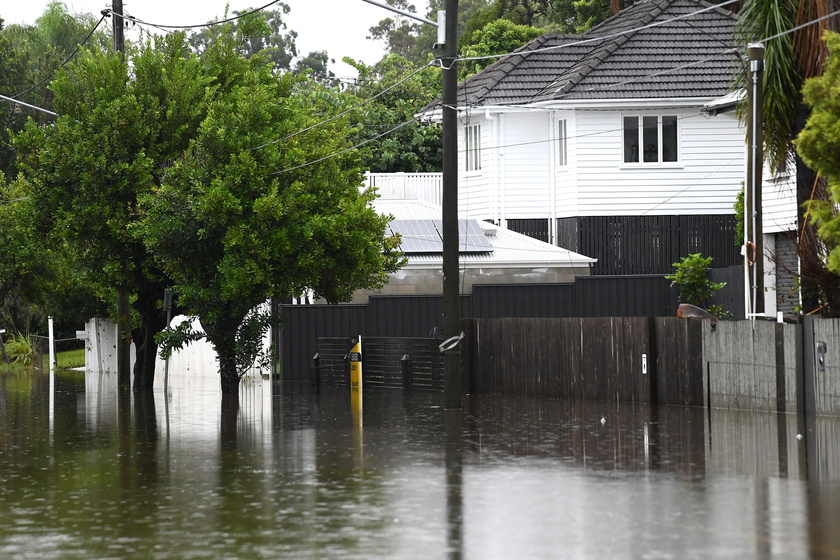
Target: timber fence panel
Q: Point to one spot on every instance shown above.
(827, 366)
(745, 368)
(679, 364)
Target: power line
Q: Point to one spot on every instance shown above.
(208, 24)
(356, 146)
(66, 60)
(341, 114)
(12, 100)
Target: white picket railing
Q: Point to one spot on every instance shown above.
(419, 186)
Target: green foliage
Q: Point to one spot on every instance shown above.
(692, 277)
(413, 148)
(412, 40)
(782, 79)
(739, 217)
(316, 66)
(19, 349)
(497, 37)
(262, 33)
(28, 55)
(239, 217)
(819, 146)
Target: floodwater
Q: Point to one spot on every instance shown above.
(289, 474)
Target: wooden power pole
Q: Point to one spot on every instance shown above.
(451, 289)
(123, 305)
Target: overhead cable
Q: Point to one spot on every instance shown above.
(356, 146)
(341, 114)
(66, 60)
(208, 24)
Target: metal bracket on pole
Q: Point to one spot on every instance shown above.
(450, 343)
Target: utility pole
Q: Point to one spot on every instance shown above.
(123, 305)
(119, 25)
(753, 231)
(451, 290)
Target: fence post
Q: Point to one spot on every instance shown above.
(315, 373)
(405, 366)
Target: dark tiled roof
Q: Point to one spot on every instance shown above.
(605, 63)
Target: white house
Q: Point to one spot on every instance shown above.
(603, 142)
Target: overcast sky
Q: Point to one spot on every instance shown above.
(338, 26)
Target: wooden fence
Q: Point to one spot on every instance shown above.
(740, 365)
(642, 359)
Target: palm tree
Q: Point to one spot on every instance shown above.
(790, 59)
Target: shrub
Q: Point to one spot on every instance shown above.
(692, 276)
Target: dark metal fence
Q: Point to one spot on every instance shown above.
(386, 363)
(422, 316)
(649, 244)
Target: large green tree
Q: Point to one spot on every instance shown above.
(250, 212)
(29, 56)
(413, 148)
(819, 146)
(790, 59)
(497, 37)
(263, 32)
(120, 125)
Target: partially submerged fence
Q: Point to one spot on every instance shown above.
(736, 365)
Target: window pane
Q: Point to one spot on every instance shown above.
(631, 139)
(669, 138)
(651, 138)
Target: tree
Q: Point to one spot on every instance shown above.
(414, 40)
(29, 56)
(497, 37)
(242, 216)
(415, 147)
(316, 66)
(819, 146)
(120, 125)
(790, 59)
(262, 32)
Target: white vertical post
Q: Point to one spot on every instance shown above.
(52, 344)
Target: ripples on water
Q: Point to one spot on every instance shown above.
(286, 475)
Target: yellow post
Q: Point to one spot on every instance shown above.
(356, 382)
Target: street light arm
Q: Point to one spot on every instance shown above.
(402, 12)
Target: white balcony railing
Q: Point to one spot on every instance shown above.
(407, 186)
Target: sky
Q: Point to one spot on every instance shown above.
(338, 26)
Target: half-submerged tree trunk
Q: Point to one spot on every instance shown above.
(153, 322)
(223, 339)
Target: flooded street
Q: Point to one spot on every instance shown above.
(85, 474)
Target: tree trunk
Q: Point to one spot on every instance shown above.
(225, 346)
(144, 367)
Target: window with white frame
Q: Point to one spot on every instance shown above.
(560, 142)
(650, 139)
(473, 151)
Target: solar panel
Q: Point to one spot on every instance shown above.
(426, 236)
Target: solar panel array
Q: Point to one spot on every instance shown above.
(426, 236)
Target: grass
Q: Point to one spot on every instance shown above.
(70, 359)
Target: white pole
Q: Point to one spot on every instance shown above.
(52, 345)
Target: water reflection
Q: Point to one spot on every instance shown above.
(290, 474)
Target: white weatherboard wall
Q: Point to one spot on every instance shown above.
(476, 199)
(519, 177)
(778, 201)
(705, 180)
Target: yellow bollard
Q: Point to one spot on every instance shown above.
(356, 382)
